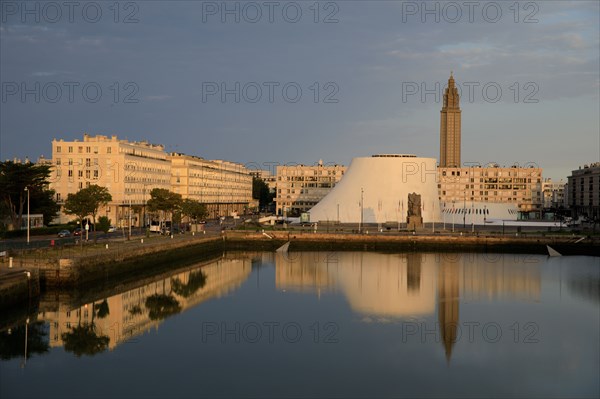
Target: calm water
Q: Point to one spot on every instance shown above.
(321, 324)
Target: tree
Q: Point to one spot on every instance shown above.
(14, 177)
(164, 201)
(42, 201)
(86, 202)
(193, 209)
(261, 192)
(103, 224)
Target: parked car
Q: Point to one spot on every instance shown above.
(64, 233)
(77, 231)
(112, 229)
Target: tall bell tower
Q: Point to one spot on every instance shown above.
(450, 127)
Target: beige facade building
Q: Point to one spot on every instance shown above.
(225, 187)
(130, 170)
(554, 193)
(300, 187)
(584, 191)
(450, 126)
(514, 185)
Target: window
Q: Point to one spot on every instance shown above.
(58, 161)
(108, 150)
(88, 149)
(70, 173)
(80, 149)
(70, 149)
(58, 149)
(80, 173)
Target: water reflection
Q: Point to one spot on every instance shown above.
(411, 285)
(90, 328)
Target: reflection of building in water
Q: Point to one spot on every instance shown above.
(492, 276)
(126, 315)
(448, 297)
(374, 284)
(399, 285)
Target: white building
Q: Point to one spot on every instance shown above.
(375, 190)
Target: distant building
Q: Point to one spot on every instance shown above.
(300, 187)
(224, 187)
(450, 127)
(514, 185)
(376, 189)
(553, 192)
(130, 170)
(584, 191)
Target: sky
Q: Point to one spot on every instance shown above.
(278, 82)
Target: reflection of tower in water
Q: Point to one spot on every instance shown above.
(413, 272)
(448, 296)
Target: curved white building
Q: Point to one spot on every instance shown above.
(379, 187)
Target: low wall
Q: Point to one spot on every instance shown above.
(306, 241)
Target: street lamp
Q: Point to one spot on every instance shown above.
(453, 216)
(361, 210)
(28, 222)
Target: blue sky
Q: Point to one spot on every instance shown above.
(336, 79)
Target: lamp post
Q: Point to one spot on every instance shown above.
(472, 218)
(361, 210)
(453, 216)
(28, 222)
(464, 208)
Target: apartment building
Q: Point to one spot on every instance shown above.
(513, 185)
(554, 193)
(584, 191)
(130, 170)
(300, 187)
(225, 187)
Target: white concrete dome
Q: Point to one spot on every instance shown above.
(385, 181)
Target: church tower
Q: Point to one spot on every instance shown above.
(450, 127)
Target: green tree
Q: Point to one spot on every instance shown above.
(103, 224)
(14, 177)
(86, 202)
(41, 200)
(261, 192)
(164, 202)
(193, 209)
